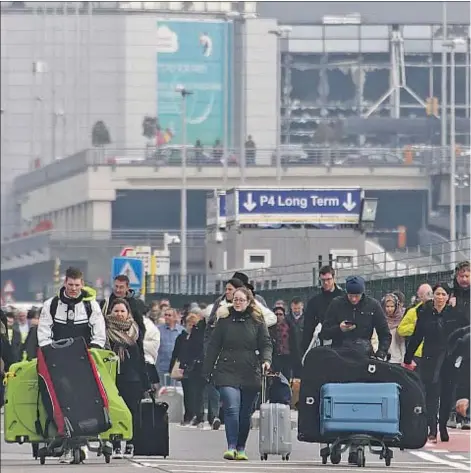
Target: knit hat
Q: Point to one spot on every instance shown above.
(355, 285)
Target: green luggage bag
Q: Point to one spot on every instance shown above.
(22, 402)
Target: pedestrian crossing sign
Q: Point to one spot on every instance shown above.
(133, 268)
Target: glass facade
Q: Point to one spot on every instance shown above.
(334, 72)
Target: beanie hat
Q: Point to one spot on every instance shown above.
(355, 285)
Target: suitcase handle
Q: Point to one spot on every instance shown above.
(64, 343)
(327, 407)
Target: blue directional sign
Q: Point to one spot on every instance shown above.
(294, 206)
(133, 268)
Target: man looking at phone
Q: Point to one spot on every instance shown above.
(351, 319)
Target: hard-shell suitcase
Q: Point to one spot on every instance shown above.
(360, 408)
(22, 406)
(71, 389)
(173, 396)
(151, 436)
(325, 365)
(275, 428)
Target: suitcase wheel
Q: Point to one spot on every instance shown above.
(361, 457)
(285, 457)
(264, 457)
(335, 457)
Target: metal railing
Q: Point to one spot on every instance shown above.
(415, 261)
(290, 156)
(429, 159)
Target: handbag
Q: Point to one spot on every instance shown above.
(177, 372)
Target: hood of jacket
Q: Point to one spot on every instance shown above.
(90, 293)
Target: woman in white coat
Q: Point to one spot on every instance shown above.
(151, 349)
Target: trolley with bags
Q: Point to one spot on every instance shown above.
(66, 399)
(275, 417)
(350, 400)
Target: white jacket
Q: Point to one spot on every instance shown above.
(96, 322)
(151, 341)
(268, 315)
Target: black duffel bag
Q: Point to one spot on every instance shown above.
(324, 365)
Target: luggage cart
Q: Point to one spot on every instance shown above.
(56, 448)
(375, 445)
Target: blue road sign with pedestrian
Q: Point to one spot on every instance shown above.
(294, 206)
(133, 268)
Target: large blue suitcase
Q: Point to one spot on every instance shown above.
(360, 408)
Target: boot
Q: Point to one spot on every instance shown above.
(444, 437)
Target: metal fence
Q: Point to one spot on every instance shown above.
(418, 261)
(375, 288)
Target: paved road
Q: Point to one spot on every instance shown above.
(199, 451)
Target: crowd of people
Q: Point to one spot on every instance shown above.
(218, 352)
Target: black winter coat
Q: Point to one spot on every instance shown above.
(133, 368)
(189, 350)
(434, 329)
(315, 313)
(237, 348)
(367, 315)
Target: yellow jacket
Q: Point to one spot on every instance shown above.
(407, 326)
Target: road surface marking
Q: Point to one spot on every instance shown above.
(434, 459)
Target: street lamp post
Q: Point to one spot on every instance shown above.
(450, 45)
(280, 33)
(461, 182)
(443, 118)
(183, 199)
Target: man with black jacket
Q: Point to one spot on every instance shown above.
(351, 319)
(318, 305)
(460, 298)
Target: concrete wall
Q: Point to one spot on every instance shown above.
(99, 184)
(293, 253)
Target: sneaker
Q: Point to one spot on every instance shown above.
(117, 454)
(194, 422)
(241, 455)
(129, 451)
(465, 425)
(84, 452)
(230, 455)
(216, 424)
(451, 424)
(67, 457)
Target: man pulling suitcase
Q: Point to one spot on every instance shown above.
(70, 315)
(351, 320)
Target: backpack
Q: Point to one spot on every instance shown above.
(55, 303)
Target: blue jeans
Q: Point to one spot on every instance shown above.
(238, 405)
(211, 399)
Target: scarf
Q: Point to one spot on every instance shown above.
(122, 334)
(68, 301)
(395, 318)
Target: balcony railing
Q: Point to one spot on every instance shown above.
(291, 156)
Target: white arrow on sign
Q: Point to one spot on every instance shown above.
(349, 204)
(249, 204)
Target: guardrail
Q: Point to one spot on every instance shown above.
(291, 156)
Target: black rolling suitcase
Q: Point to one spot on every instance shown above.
(71, 390)
(324, 365)
(151, 437)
